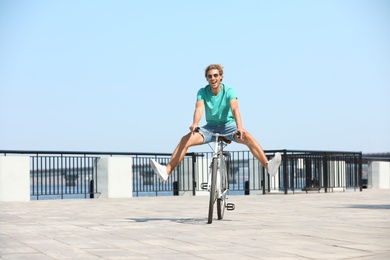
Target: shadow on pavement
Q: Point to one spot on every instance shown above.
(363, 206)
(177, 220)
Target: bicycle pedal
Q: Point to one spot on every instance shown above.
(230, 206)
(204, 186)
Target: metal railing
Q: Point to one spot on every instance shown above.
(63, 176)
(299, 171)
(316, 170)
(74, 174)
(146, 182)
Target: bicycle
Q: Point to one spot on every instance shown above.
(218, 183)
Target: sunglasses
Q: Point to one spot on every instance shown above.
(210, 76)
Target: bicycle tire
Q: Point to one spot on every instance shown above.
(212, 189)
(221, 202)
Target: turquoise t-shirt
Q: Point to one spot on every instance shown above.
(217, 107)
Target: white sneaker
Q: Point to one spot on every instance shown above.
(273, 165)
(159, 169)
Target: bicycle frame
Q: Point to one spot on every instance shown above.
(218, 154)
(217, 184)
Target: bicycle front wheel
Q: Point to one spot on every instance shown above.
(221, 202)
(213, 192)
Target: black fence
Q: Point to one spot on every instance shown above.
(58, 175)
(63, 176)
(300, 171)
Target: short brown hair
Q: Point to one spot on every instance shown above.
(214, 67)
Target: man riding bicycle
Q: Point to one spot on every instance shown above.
(222, 116)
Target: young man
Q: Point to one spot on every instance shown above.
(222, 116)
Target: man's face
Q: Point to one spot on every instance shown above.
(213, 78)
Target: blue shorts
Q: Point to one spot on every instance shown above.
(221, 129)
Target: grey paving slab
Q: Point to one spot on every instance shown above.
(344, 225)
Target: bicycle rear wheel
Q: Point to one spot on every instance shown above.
(213, 193)
(221, 202)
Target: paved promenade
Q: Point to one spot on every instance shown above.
(349, 225)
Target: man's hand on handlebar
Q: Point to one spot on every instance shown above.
(241, 133)
(194, 128)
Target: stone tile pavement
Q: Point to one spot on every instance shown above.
(343, 225)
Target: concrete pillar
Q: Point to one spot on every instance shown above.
(274, 182)
(255, 178)
(184, 178)
(203, 169)
(380, 174)
(14, 178)
(337, 176)
(114, 177)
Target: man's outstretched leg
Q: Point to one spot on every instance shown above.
(271, 166)
(186, 141)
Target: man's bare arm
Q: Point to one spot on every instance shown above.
(199, 106)
(237, 117)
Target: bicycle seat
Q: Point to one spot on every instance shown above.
(223, 139)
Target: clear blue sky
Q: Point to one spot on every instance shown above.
(122, 76)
